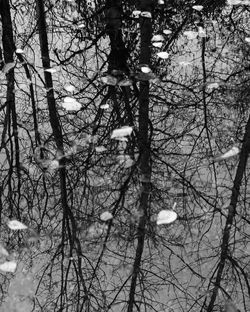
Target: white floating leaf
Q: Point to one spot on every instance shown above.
(197, 7)
(157, 38)
(145, 69)
(3, 251)
(136, 13)
(213, 85)
(69, 88)
(167, 31)
(54, 164)
(146, 14)
(125, 83)
(81, 26)
(104, 106)
(166, 217)
(122, 132)
(70, 104)
(232, 152)
(19, 51)
(157, 44)
(247, 39)
(7, 67)
(16, 225)
(105, 216)
(100, 149)
(8, 266)
(161, 2)
(163, 55)
(202, 32)
(190, 34)
(109, 80)
(51, 70)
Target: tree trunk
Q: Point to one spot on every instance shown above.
(144, 148)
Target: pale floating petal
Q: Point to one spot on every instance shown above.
(19, 51)
(157, 38)
(81, 26)
(145, 69)
(232, 152)
(7, 67)
(247, 39)
(100, 149)
(3, 251)
(190, 34)
(104, 106)
(161, 2)
(163, 55)
(54, 164)
(109, 80)
(105, 216)
(197, 7)
(146, 14)
(202, 32)
(16, 225)
(70, 104)
(136, 13)
(167, 31)
(125, 83)
(8, 266)
(51, 70)
(69, 88)
(213, 85)
(122, 132)
(158, 44)
(166, 217)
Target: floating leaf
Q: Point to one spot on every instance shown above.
(157, 44)
(81, 26)
(54, 164)
(8, 266)
(100, 149)
(247, 39)
(201, 32)
(105, 216)
(69, 88)
(213, 85)
(232, 152)
(166, 217)
(125, 83)
(19, 51)
(51, 70)
(145, 69)
(7, 67)
(16, 225)
(3, 251)
(122, 132)
(109, 80)
(70, 104)
(190, 34)
(167, 31)
(197, 7)
(157, 38)
(163, 55)
(161, 2)
(104, 106)
(136, 13)
(146, 14)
